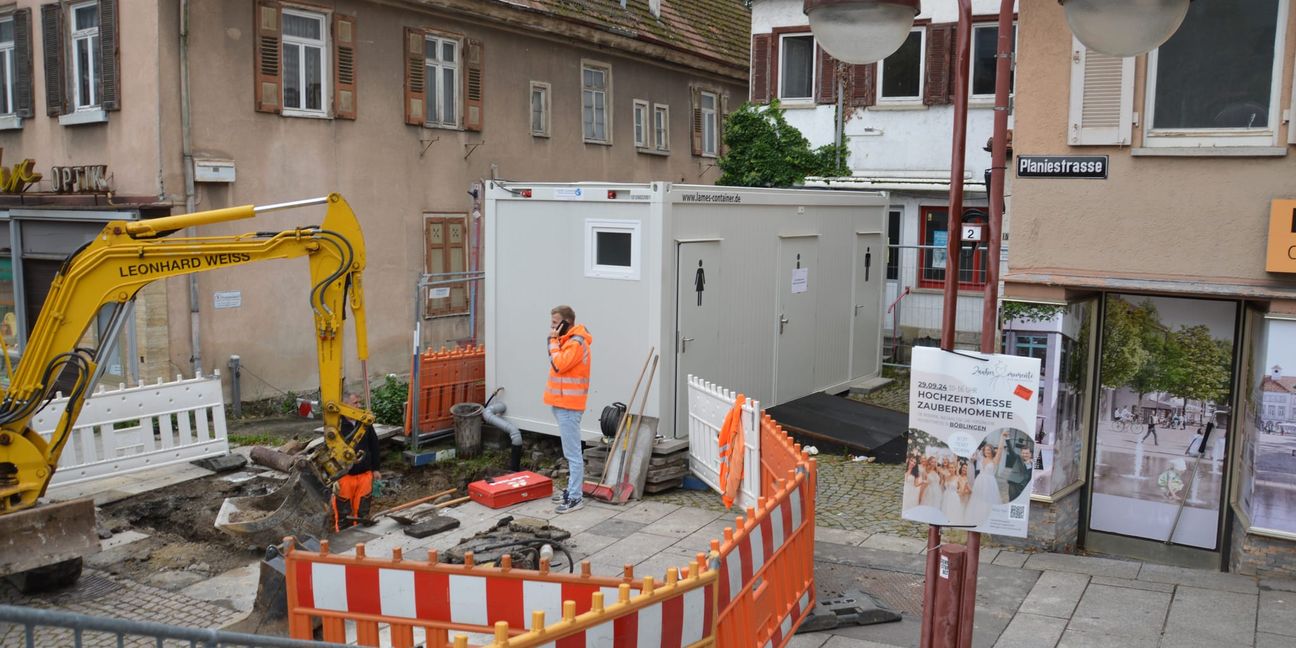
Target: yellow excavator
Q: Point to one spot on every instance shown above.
(42, 544)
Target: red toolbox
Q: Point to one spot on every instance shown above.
(511, 489)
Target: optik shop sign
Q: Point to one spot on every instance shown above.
(77, 179)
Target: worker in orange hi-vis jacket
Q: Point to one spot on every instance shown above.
(353, 493)
(566, 391)
(732, 444)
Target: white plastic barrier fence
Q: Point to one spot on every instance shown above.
(708, 404)
(134, 428)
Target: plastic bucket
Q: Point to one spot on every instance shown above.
(467, 429)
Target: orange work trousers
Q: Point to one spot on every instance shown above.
(352, 498)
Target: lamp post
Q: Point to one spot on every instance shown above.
(867, 31)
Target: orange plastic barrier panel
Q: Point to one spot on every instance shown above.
(678, 614)
(767, 566)
(777, 457)
(430, 597)
(447, 377)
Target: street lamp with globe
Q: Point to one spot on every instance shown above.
(860, 32)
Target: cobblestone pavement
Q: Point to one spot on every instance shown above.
(853, 496)
(98, 594)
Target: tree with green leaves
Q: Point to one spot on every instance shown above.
(766, 151)
(1204, 366)
(1159, 352)
(1123, 353)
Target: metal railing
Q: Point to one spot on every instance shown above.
(31, 627)
(915, 281)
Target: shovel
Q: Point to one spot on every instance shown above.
(624, 489)
(602, 490)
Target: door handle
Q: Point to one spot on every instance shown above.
(857, 309)
(783, 321)
(684, 344)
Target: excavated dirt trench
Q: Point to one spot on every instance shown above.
(179, 519)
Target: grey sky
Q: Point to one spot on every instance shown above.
(1282, 346)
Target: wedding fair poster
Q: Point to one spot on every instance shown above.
(971, 447)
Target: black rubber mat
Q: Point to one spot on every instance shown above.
(834, 422)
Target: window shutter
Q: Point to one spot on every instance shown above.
(446, 251)
(269, 51)
(472, 82)
(940, 50)
(110, 72)
(696, 94)
(827, 79)
(52, 37)
(760, 70)
(435, 240)
(344, 67)
(1102, 98)
(863, 85)
(415, 73)
(23, 99)
(721, 149)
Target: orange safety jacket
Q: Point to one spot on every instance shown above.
(569, 369)
(732, 445)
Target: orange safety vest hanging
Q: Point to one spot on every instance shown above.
(732, 445)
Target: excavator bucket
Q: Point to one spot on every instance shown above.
(302, 506)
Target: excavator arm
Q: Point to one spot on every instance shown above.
(110, 271)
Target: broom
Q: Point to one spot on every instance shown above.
(599, 490)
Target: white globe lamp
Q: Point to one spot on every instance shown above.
(1124, 27)
(861, 31)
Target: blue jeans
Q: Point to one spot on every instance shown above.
(569, 432)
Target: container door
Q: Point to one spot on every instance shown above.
(697, 320)
(866, 316)
(794, 317)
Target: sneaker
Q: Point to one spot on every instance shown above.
(570, 505)
(559, 496)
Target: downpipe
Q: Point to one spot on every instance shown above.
(191, 202)
(493, 415)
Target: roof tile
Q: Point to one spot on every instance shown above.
(719, 29)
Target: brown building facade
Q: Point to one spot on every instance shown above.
(1149, 284)
(402, 107)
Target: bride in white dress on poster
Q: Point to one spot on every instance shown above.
(932, 491)
(958, 492)
(911, 484)
(985, 488)
(953, 504)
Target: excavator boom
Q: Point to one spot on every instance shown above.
(110, 271)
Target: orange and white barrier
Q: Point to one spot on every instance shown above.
(767, 566)
(400, 595)
(680, 614)
(753, 590)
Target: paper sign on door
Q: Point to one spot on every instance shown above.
(800, 280)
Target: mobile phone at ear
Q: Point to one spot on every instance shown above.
(563, 327)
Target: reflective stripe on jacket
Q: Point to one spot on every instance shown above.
(569, 369)
(732, 445)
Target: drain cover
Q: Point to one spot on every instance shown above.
(90, 586)
(900, 591)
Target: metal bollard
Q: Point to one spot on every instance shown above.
(236, 408)
(947, 607)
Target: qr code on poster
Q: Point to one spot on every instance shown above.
(1017, 512)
